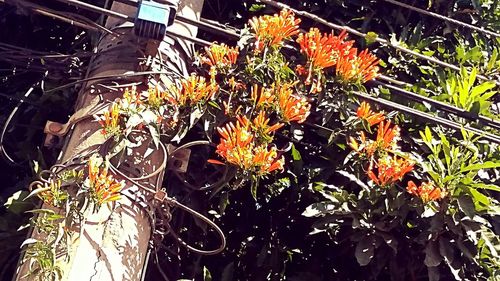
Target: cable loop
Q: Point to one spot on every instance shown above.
(174, 203)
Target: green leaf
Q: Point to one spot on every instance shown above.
(486, 186)
(318, 209)
(485, 165)
(256, 7)
(295, 154)
(206, 274)
(493, 60)
(478, 90)
(467, 205)
(479, 198)
(253, 187)
(224, 202)
(432, 256)
(371, 37)
(364, 250)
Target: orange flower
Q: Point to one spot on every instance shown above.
(156, 97)
(367, 65)
(267, 160)
(272, 30)
(132, 97)
(389, 170)
(220, 55)
(387, 137)
(51, 193)
(427, 191)
(104, 188)
(365, 112)
(235, 142)
(238, 147)
(262, 98)
(110, 120)
(193, 90)
(352, 68)
(386, 140)
(323, 50)
(292, 107)
(261, 125)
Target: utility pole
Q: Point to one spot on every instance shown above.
(112, 245)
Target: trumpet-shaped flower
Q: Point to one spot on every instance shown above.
(131, 98)
(266, 160)
(238, 147)
(365, 113)
(352, 68)
(272, 30)
(103, 188)
(292, 107)
(323, 50)
(193, 90)
(427, 191)
(261, 125)
(262, 97)
(220, 55)
(389, 170)
(110, 120)
(387, 136)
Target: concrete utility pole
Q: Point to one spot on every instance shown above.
(113, 245)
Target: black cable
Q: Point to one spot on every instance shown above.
(3, 151)
(428, 117)
(441, 105)
(110, 13)
(444, 18)
(377, 39)
(106, 77)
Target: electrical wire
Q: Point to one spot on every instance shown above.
(428, 117)
(441, 105)
(364, 35)
(415, 97)
(77, 20)
(179, 18)
(3, 151)
(107, 77)
(444, 18)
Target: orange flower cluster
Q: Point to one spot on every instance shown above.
(292, 107)
(363, 67)
(384, 168)
(193, 90)
(323, 51)
(386, 140)
(263, 98)
(427, 191)
(238, 147)
(110, 120)
(272, 30)
(389, 170)
(157, 97)
(104, 188)
(365, 113)
(326, 50)
(220, 55)
(132, 97)
(51, 193)
(261, 125)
